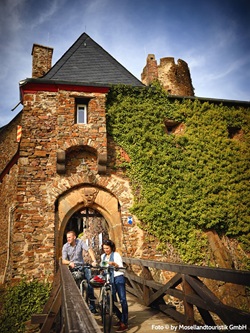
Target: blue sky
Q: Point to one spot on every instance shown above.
(213, 37)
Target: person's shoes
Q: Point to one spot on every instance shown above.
(122, 328)
(117, 324)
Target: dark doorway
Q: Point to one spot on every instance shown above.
(90, 226)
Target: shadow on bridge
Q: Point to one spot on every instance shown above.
(144, 319)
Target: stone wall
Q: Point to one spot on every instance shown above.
(8, 187)
(48, 121)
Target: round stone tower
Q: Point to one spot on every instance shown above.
(175, 78)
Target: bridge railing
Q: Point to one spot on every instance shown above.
(187, 284)
(66, 308)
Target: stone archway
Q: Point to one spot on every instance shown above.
(90, 226)
(93, 197)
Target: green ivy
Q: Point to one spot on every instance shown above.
(184, 184)
(20, 302)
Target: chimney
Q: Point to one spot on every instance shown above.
(41, 60)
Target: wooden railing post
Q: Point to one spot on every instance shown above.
(188, 307)
(146, 290)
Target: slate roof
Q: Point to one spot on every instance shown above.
(87, 62)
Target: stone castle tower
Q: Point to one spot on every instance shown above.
(175, 78)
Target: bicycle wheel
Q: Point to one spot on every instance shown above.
(107, 310)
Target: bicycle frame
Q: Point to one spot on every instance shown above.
(82, 283)
(106, 297)
(106, 300)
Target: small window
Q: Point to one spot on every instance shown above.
(81, 114)
(233, 132)
(171, 126)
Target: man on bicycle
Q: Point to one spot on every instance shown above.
(72, 255)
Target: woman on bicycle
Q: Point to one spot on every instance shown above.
(113, 258)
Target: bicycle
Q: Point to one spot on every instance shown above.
(78, 273)
(105, 300)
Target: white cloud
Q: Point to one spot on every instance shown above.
(47, 12)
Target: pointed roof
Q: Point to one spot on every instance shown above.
(87, 62)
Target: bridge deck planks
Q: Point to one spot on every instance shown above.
(143, 319)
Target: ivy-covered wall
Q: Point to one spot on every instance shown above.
(189, 182)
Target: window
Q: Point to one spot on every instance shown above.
(234, 132)
(172, 127)
(81, 110)
(81, 114)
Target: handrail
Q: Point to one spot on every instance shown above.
(220, 274)
(74, 316)
(187, 286)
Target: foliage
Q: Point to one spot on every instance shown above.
(20, 302)
(184, 184)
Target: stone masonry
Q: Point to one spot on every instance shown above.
(175, 78)
(41, 60)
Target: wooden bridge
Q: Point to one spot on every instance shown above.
(184, 303)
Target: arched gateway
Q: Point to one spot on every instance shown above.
(76, 210)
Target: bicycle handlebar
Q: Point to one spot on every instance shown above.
(111, 267)
(100, 267)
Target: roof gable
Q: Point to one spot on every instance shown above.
(87, 62)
